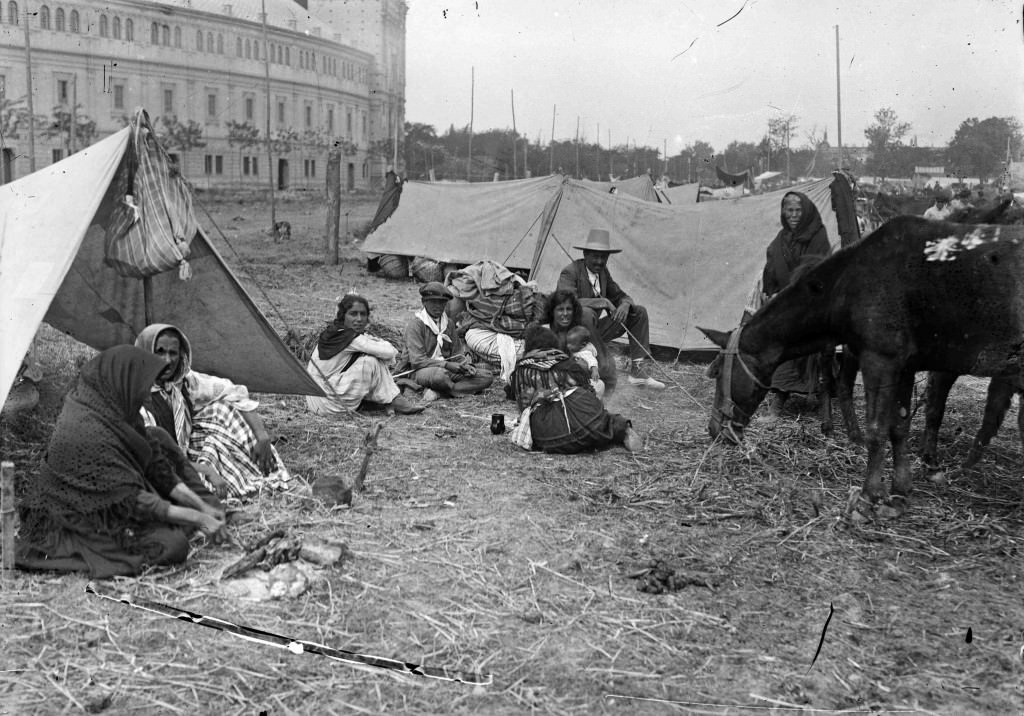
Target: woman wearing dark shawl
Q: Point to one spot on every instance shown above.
(102, 502)
(558, 405)
(803, 236)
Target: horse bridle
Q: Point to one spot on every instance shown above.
(730, 355)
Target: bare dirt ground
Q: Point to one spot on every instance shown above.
(472, 554)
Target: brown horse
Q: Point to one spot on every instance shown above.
(915, 295)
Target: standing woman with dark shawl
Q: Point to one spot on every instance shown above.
(103, 502)
(352, 366)
(803, 236)
(556, 401)
(213, 420)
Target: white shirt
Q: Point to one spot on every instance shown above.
(595, 282)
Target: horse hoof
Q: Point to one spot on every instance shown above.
(972, 459)
(894, 508)
(859, 509)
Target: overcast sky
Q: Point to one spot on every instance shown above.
(712, 70)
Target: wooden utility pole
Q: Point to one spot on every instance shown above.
(270, 153)
(333, 206)
(839, 110)
(551, 168)
(28, 94)
(472, 89)
(577, 146)
(515, 156)
(73, 121)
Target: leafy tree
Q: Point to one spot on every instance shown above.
(242, 135)
(979, 148)
(183, 137)
(780, 139)
(885, 138)
(59, 125)
(283, 140)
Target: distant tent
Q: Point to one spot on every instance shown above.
(53, 267)
(689, 264)
(680, 193)
(641, 187)
(728, 179)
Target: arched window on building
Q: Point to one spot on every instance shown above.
(44, 17)
(73, 24)
(280, 55)
(165, 35)
(312, 62)
(273, 55)
(129, 30)
(12, 12)
(58, 20)
(104, 27)
(220, 44)
(238, 46)
(209, 42)
(248, 49)
(116, 28)
(177, 36)
(199, 40)
(154, 34)
(288, 56)
(255, 49)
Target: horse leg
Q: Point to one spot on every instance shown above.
(827, 389)
(936, 392)
(848, 367)
(1000, 395)
(899, 429)
(880, 387)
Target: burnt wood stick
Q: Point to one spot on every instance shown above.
(267, 539)
(370, 444)
(245, 563)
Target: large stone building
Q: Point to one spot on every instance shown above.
(202, 68)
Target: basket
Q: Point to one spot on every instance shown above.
(394, 266)
(426, 270)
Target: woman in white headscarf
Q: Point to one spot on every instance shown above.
(213, 420)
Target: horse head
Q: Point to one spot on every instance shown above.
(740, 386)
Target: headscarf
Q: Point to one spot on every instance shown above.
(791, 245)
(97, 455)
(170, 402)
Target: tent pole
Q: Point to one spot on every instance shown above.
(551, 167)
(839, 111)
(147, 299)
(472, 90)
(7, 512)
(515, 156)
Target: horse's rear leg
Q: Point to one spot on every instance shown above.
(936, 393)
(1000, 395)
(848, 367)
(827, 389)
(902, 480)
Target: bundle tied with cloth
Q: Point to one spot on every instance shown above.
(495, 306)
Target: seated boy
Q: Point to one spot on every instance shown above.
(578, 345)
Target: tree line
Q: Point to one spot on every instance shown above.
(979, 148)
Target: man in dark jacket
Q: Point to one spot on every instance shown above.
(608, 311)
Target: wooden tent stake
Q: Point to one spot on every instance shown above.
(370, 444)
(7, 513)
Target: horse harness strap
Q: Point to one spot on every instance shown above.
(732, 353)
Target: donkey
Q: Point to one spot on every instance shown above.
(914, 295)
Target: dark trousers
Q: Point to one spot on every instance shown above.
(609, 329)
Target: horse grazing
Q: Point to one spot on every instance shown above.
(914, 295)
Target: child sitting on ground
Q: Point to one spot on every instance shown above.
(578, 345)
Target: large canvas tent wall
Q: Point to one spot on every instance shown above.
(680, 193)
(688, 263)
(641, 187)
(52, 267)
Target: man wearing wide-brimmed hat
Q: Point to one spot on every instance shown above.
(435, 352)
(608, 311)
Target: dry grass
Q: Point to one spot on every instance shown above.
(472, 554)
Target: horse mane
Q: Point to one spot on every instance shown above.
(807, 263)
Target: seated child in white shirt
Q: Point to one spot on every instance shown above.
(578, 345)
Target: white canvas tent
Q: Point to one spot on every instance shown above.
(689, 264)
(52, 268)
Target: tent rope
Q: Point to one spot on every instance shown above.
(521, 238)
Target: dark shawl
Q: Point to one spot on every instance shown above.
(790, 246)
(334, 339)
(546, 370)
(98, 453)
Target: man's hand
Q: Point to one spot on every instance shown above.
(264, 455)
(210, 526)
(217, 483)
(620, 312)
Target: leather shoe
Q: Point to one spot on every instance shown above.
(404, 406)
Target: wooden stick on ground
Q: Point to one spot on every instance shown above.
(369, 444)
(254, 557)
(7, 514)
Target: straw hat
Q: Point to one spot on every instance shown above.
(598, 240)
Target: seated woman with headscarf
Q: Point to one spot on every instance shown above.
(107, 500)
(565, 312)
(213, 420)
(352, 366)
(558, 405)
(802, 237)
